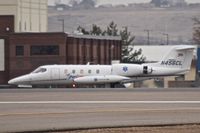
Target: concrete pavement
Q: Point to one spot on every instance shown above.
(57, 109)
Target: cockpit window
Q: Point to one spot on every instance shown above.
(40, 70)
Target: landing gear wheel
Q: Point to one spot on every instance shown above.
(112, 85)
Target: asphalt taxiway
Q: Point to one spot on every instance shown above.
(61, 109)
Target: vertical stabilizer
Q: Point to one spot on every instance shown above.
(178, 57)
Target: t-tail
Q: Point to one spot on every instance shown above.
(178, 58)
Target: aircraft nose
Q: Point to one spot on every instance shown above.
(12, 81)
(19, 80)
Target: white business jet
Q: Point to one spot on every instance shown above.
(176, 62)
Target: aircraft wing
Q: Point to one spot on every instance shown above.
(100, 79)
(187, 47)
(109, 79)
(136, 79)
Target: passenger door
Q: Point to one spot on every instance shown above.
(55, 73)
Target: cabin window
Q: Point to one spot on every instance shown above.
(81, 71)
(98, 71)
(19, 50)
(89, 71)
(45, 50)
(40, 70)
(73, 71)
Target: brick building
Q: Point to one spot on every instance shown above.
(30, 15)
(23, 52)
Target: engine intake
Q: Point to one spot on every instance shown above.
(147, 70)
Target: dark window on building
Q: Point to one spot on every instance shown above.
(45, 50)
(19, 50)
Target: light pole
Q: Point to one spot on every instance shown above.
(167, 36)
(148, 36)
(63, 23)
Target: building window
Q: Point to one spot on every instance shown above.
(45, 50)
(180, 78)
(19, 50)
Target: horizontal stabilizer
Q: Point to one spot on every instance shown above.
(185, 47)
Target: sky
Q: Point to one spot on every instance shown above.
(116, 2)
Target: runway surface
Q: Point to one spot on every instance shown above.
(57, 109)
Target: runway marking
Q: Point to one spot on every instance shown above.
(100, 102)
(104, 111)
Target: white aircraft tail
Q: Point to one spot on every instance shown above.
(178, 57)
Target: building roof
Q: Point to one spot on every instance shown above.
(95, 37)
(118, 38)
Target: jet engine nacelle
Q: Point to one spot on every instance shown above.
(127, 69)
(131, 69)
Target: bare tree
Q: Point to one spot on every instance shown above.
(196, 34)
